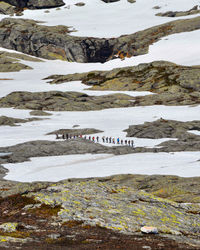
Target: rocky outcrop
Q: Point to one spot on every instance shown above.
(64, 101)
(157, 77)
(72, 132)
(9, 121)
(10, 62)
(193, 11)
(22, 152)
(35, 4)
(39, 113)
(6, 8)
(74, 101)
(163, 129)
(56, 43)
(92, 212)
(168, 99)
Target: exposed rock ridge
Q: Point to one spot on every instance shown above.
(55, 42)
(163, 129)
(193, 11)
(157, 77)
(90, 213)
(64, 101)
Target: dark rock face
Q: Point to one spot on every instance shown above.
(56, 43)
(17, 3)
(35, 4)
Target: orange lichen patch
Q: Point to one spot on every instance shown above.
(4, 189)
(137, 82)
(6, 79)
(86, 226)
(45, 211)
(72, 223)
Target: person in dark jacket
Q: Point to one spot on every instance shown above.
(132, 143)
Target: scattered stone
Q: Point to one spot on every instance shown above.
(149, 230)
(131, 1)
(39, 113)
(156, 7)
(80, 4)
(110, 1)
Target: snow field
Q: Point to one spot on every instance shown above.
(56, 168)
(99, 19)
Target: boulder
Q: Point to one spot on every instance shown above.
(149, 230)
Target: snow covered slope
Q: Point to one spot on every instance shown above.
(102, 20)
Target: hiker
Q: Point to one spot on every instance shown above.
(57, 137)
(113, 140)
(121, 142)
(129, 142)
(97, 139)
(63, 136)
(85, 137)
(125, 142)
(110, 139)
(117, 140)
(89, 138)
(67, 136)
(93, 138)
(103, 139)
(106, 139)
(80, 136)
(132, 143)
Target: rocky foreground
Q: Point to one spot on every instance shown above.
(101, 212)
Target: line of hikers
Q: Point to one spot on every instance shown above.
(97, 139)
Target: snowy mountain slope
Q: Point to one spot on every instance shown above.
(103, 20)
